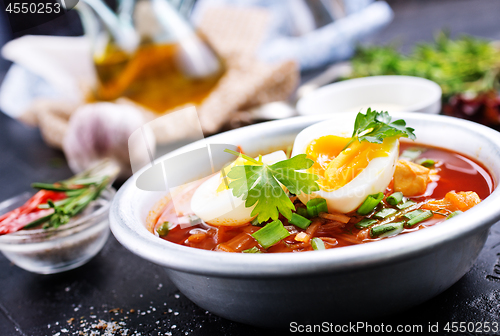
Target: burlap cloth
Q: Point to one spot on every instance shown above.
(235, 34)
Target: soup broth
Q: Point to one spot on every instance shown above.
(453, 172)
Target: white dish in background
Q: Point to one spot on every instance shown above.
(388, 93)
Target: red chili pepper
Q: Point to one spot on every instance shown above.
(28, 212)
(21, 221)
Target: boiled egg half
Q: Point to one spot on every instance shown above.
(215, 204)
(346, 176)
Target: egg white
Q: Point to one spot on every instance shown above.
(222, 208)
(373, 179)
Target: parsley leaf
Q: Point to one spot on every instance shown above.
(259, 184)
(376, 126)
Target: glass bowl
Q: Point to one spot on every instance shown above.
(55, 250)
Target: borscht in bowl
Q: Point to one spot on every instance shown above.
(337, 187)
(320, 218)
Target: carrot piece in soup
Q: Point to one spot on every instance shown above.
(463, 200)
(302, 237)
(335, 217)
(242, 241)
(197, 237)
(453, 201)
(224, 248)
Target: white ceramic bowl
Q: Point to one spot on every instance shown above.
(360, 281)
(388, 93)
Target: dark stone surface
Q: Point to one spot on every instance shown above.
(32, 304)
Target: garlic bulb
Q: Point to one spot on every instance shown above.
(102, 130)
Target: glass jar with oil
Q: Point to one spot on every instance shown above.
(149, 54)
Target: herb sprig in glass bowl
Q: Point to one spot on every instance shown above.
(62, 226)
(56, 203)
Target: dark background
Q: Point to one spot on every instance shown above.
(32, 304)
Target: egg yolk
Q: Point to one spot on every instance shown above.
(337, 166)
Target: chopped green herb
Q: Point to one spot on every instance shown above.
(412, 214)
(365, 222)
(454, 213)
(386, 230)
(271, 234)
(418, 217)
(260, 184)
(302, 212)
(63, 212)
(317, 244)
(75, 192)
(370, 203)
(406, 204)
(385, 213)
(254, 249)
(49, 186)
(427, 163)
(466, 64)
(163, 229)
(316, 206)
(58, 203)
(395, 198)
(300, 221)
(80, 190)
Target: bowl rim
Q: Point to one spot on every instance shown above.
(362, 82)
(21, 236)
(135, 237)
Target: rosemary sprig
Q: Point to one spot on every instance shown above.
(80, 190)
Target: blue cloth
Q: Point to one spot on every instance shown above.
(292, 34)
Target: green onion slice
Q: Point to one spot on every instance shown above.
(271, 234)
(417, 216)
(302, 212)
(453, 214)
(405, 204)
(317, 244)
(364, 223)
(413, 214)
(50, 186)
(386, 230)
(395, 198)
(316, 206)
(163, 229)
(57, 203)
(370, 203)
(427, 163)
(385, 213)
(254, 249)
(299, 221)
